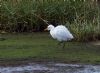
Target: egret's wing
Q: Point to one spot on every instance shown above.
(63, 33)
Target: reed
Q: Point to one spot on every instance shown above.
(82, 17)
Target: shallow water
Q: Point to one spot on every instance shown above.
(50, 67)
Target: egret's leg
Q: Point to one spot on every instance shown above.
(63, 45)
(59, 44)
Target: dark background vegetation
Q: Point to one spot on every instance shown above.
(81, 17)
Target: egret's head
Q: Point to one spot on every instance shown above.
(50, 27)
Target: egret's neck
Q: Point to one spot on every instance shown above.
(52, 28)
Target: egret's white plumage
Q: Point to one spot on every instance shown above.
(60, 32)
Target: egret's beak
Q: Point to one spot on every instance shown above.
(46, 29)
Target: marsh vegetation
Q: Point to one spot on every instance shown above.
(82, 17)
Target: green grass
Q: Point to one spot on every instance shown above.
(41, 46)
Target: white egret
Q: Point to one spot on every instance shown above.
(60, 33)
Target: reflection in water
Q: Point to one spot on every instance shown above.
(51, 68)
